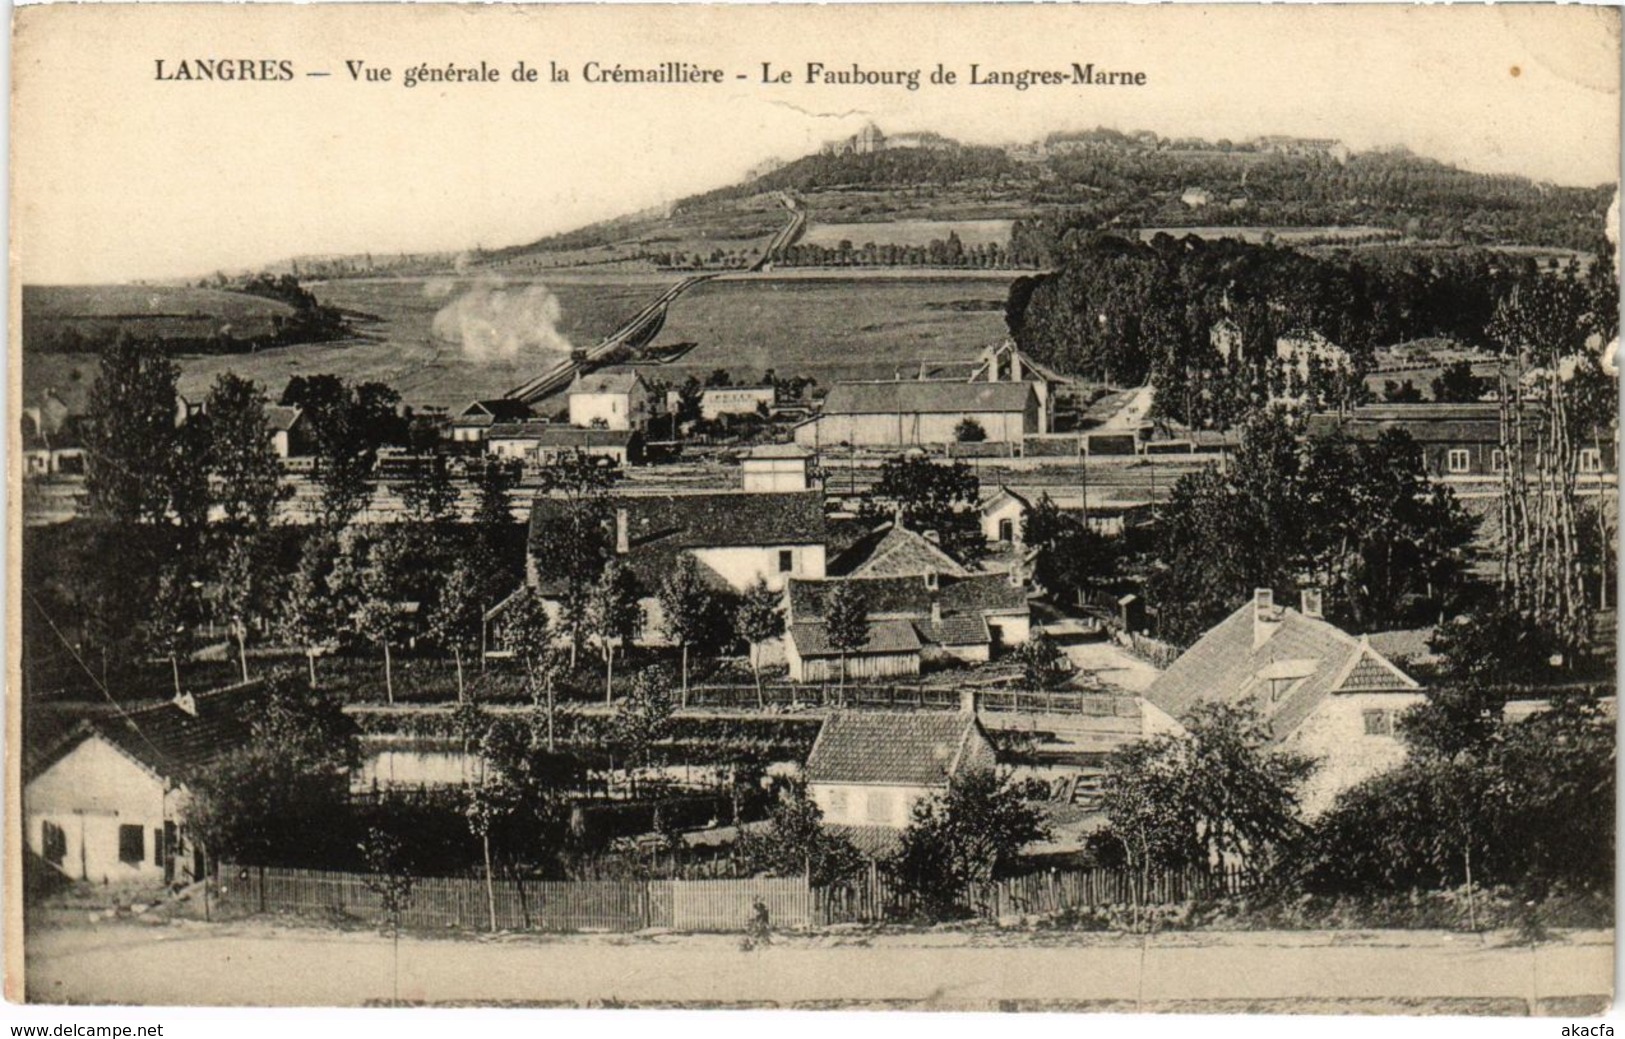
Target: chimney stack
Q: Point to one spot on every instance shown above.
(1312, 603)
(1018, 573)
(623, 537)
(967, 702)
(1266, 618)
(936, 610)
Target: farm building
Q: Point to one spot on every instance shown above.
(103, 803)
(1322, 692)
(913, 620)
(1458, 441)
(870, 768)
(892, 550)
(614, 398)
(717, 401)
(470, 425)
(290, 432)
(543, 443)
(916, 413)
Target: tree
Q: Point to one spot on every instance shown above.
(643, 717)
(846, 622)
(168, 630)
(1042, 663)
(1073, 557)
(130, 434)
(430, 496)
(1456, 384)
(959, 841)
(570, 539)
(614, 616)
(969, 431)
(759, 619)
(313, 611)
(454, 621)
(348, 424)
(242, 588)
(526, 633)
(795, 844)
(686, 605)
(1219, 793)
(937, 498)
(247, 475)
(381, 613)
(389, 878)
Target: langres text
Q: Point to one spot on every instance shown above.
(224, 70)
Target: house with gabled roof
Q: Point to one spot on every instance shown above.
(1321, 691)
(610, 398)
(104, 801)
(910, 413)
(471, 424)
(892, 550)
(868, 769)
(913, 620)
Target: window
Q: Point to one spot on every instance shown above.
(1590, 460)
(1458, 460)
(1379, 723)
(157, 846)
(132, 845)
(54, 843)
(879, 806)
(1498, 460)
(787, 560)
(837, 802)
(1007, 530)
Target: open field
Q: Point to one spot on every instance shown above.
(1248, 972)
(149, 311)
(830, 329)
(400, 348)
(909, 232)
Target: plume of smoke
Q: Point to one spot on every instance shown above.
(495, 321)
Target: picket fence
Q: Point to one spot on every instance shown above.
(727, 905)
(535, 905)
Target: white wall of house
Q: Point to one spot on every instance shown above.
(88, 795)
(279, 442)
(467, 434)
(1010, 630)
(766, 475)
(734, 400)
(1154, 721)
(1007, 511)
(912, 428)
(628, 410)
(859, 804)
(1336, 735)
(742, 565)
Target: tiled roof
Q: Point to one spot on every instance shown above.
(1301, 662)
(910, 597)
(897, 748)
(895, 551)
(281, 417)
(770, 451)
(168, 739)
(926, 397)
(548, 434)
(875, 842)
(884, 636)
(963, 629)
(496, 409)
(609, 380)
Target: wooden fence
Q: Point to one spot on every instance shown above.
(534, 905)
(692, 905)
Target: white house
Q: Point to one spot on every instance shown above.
(543, 443)
(1002, 516)
(612, 398)
(777, 467)
(735, 538)
(1322, 691)
(104, 802)
(868, 769)
(471, 424)
(716, 401)
(289, 431)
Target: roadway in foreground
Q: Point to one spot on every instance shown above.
(266, 963)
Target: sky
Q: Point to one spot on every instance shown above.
(118, 175)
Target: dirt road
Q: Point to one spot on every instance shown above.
(257, 963)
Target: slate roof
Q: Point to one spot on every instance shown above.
(607, 380)
(926, 397)
(898, 748)
(1302, 662)
(892, 550)
(886, 636)
(166, 738)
